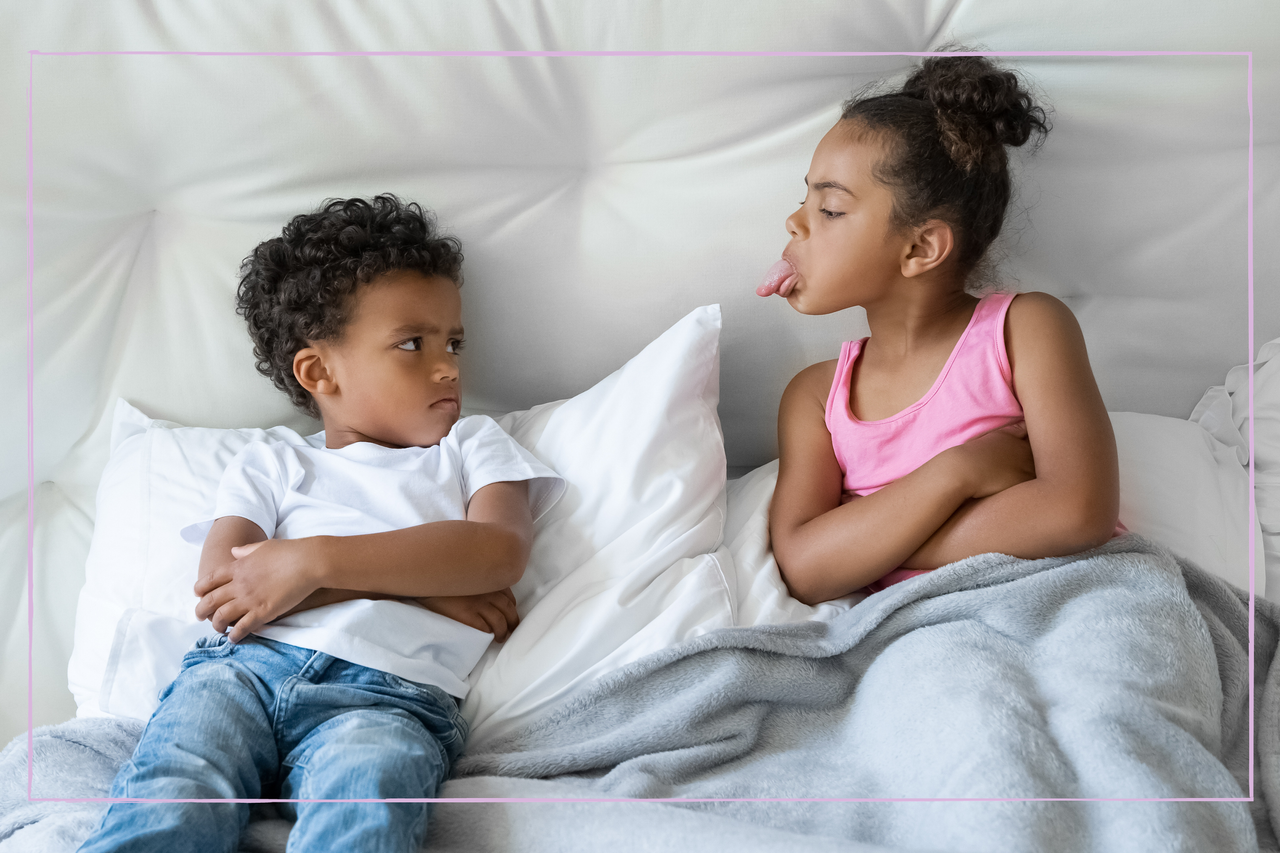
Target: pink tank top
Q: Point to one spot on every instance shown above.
(971, 396)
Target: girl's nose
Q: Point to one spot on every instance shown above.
(793, 224)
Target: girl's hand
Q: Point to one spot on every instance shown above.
(263, 581)
(491, 612)
(996, 461)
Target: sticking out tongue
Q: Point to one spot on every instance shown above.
(780, 278)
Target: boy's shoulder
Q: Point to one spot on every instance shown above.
(474, 431)
(264, 458)
(256, 451)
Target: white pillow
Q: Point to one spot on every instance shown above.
(629, 561)
(1224, 412)
(619, 567)
(139, 573)
(1178, 486)
(1182, 487)
(761, 597)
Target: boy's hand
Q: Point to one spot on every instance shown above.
(264, 581)
(491, 612)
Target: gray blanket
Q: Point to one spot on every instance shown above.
(1121, 674)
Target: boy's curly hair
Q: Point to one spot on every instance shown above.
(296, 289)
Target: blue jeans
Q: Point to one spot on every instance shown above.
(261, 715)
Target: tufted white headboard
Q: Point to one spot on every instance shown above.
(598, 198)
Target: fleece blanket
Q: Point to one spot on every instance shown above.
(990, 699)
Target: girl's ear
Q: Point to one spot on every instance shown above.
(312, 373)
(933, 244)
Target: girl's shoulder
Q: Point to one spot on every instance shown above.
(1037, 322)
(811, 386)
(816, 376)
(1035, 306)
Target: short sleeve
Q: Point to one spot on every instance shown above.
(490, 455)
(253, 486)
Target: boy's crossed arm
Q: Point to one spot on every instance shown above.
(461, 569)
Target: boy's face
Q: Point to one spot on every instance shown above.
(395, 365)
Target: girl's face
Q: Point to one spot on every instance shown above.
(843, 246)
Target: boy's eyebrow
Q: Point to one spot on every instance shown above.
(424, 329)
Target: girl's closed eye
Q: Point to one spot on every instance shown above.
(829, 214)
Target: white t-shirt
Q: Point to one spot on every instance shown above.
(292, 491)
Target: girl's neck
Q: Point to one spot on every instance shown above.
(918, 317)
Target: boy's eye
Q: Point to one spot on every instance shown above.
(830, 214)
(411, 345)
(456, 345)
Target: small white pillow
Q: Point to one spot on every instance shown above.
(1224, 412)
(140, 572)
(620, 566)
(627, 562)
(1182, 487)
(1178, 486)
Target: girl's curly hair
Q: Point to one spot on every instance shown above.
(296, 289)
(945, 133)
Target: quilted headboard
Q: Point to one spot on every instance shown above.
(598, 198)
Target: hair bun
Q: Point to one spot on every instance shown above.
(980, 107)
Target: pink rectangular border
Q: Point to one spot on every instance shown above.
(30, 352)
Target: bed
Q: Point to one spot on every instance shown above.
(618, 201)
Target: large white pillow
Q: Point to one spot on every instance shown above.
(1178, 486)
(629, 561)
(643, 457)
(760, 596)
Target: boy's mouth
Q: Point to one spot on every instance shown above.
(448, 403)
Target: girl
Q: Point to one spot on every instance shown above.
(961, 425)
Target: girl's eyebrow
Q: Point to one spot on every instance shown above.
(828, 185)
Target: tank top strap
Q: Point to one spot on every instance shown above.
(838, 396)
(986, 331)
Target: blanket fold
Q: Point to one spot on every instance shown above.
(1091, 676)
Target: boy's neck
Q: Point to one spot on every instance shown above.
(337, 436)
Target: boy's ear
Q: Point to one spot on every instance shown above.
(932, 244)
(312, 373)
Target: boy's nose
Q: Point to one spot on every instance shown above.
(446, 370)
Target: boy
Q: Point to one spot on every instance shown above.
(327, 567)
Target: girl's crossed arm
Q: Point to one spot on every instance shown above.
(484, 554)
(1074, 500)
(826, 548)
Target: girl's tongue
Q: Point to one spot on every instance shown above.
(780, 278)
